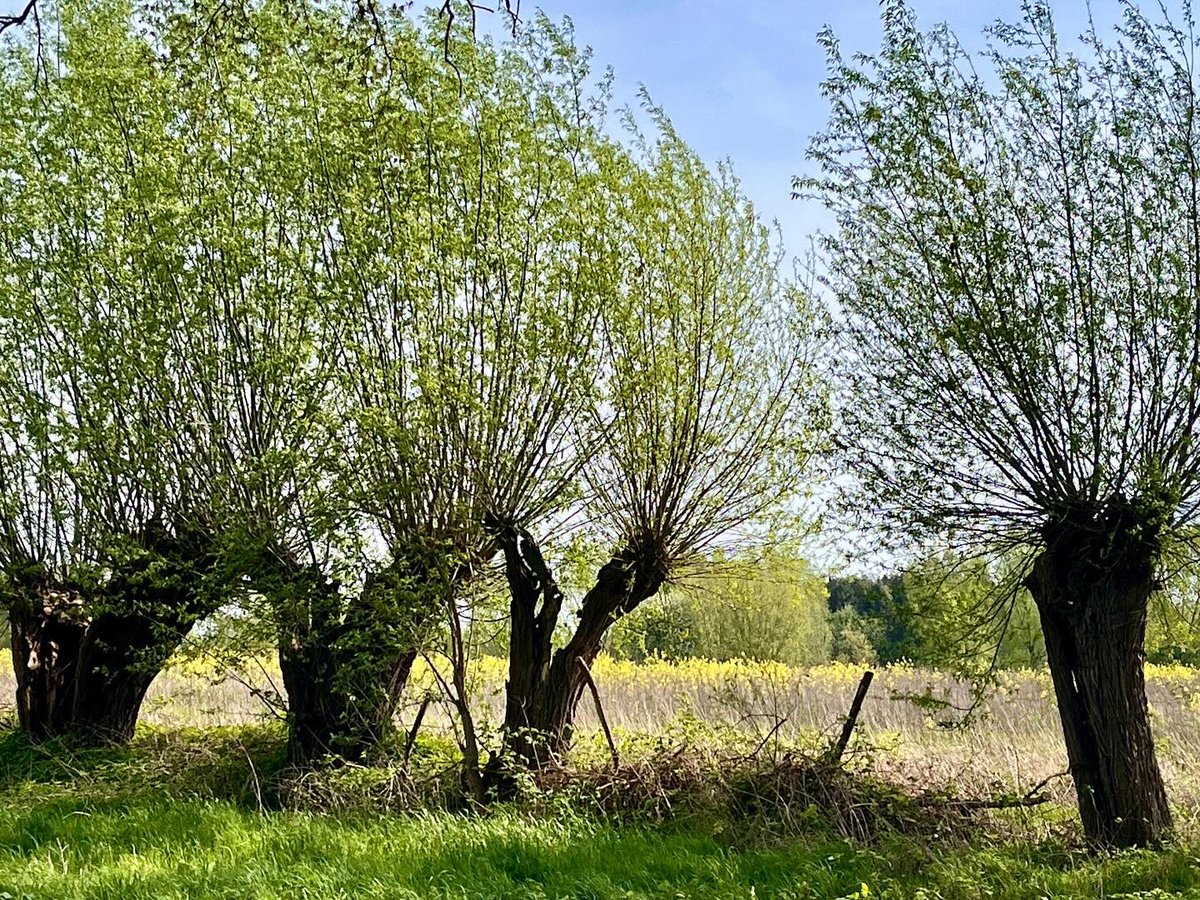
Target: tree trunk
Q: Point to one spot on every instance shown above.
(345, 661)
(531, 630)
(83, 664)
(325, 716)
(544, 686)
(1092, 586)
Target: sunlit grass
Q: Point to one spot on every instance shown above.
(171, 848)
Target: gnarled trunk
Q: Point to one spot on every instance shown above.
(345, 661)
(83, 663)
(326, 717)
(544, 686)
(1092, 585)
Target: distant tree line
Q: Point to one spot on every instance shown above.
(936, 613)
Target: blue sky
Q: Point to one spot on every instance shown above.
(741, 78)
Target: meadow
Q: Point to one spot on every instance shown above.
(920, 727)
(201, 806)
(311, 313)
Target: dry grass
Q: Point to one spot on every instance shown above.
(1011, 742)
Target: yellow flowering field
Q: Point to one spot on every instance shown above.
(917, 724)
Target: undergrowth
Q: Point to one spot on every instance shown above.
(685, 814)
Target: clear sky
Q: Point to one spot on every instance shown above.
(741, 78)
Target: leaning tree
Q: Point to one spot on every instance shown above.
(1017, 265)
(708, 407)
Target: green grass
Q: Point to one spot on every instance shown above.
(167, 848)
(177, 816)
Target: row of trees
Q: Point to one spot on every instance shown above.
(939, 612)
(311, 323)
(324, 316)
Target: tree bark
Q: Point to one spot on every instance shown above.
(1092, 585)
(83, 661)
(346, 661)
(544, 685)
(326, 718)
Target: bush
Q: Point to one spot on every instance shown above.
(771, 608)
(854, 637)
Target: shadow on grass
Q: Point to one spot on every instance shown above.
(236, 764)
(175, 848)
(183, 814)
(145, 848)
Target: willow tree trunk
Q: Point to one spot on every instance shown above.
(326, 716)
(83, 663)
(543, 693)
(544, 685)
(345, 661)
(1092, 589)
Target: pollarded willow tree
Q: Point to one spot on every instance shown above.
(394, 267)
(259, 99)
(175, 352)
(708, 408)
(107, 537)
(1017, 264)
(477, 260)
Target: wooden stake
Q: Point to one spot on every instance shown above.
(835, 754)
(612, 745)
(412, 732)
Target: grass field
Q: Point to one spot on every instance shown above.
(195, 809)
(194, 848)
(1012, 740)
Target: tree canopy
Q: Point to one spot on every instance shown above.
(1016, 263)
(349, 308)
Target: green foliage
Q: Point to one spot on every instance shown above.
(1172, 635)
(854, 637)
(226, 763)
(776, 610)
(663, 628)
(478, 255)
(713, 399)
(964, 615)
(1018, 297)
(970, 614)
(94, 453)
(869, 619)
(767, 608)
